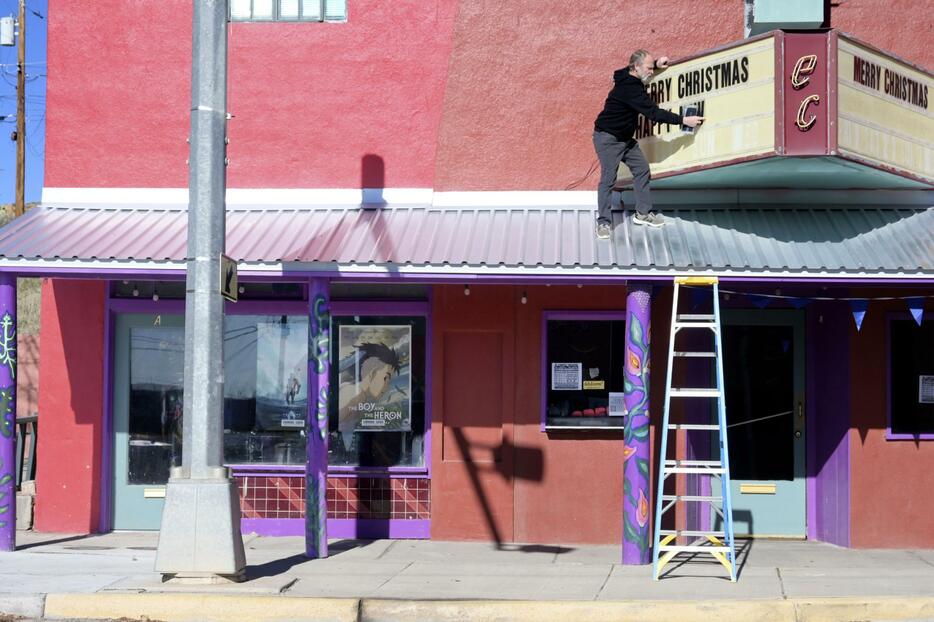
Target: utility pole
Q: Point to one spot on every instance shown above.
(199, 538)
(20, 206)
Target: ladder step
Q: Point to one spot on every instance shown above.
(695, 392)
(693, 426)
(693, 463)
(691, 498)
(695, 549)
(695, 470)
(696, 317)
(696, 355)
(712, 325)
(691, 532)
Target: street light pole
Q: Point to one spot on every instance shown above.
(199, 539)
(20, 205)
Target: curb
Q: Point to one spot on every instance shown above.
(179, 607)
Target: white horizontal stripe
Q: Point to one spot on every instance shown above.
(466, 271)
(518, 198)
(260, 197)
(242, 196)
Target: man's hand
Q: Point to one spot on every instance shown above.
(693, 121)
(661, 62)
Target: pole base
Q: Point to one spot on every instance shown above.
(200, 537)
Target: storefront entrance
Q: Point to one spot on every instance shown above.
(149, 352)
(764, 374)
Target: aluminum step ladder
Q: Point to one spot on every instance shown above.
(718, 543)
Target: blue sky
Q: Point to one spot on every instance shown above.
(35, 103)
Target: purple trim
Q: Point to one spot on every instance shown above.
(428, 382)
(9, 333)
(565, 315)
(267, 470)
(811, 388)
(145, 305)
(245, 307)
(316, 427)
(105, 521)
(828, 423)
(889, 435)
(636, 366)
(275, 527)
(369, 307)
(343, 528)
(446, 278)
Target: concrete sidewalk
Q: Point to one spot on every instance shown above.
(54, 576)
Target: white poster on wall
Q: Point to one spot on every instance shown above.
(926, 389)
(566, 376)
(617, 406)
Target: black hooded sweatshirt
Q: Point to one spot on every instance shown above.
(627, 100)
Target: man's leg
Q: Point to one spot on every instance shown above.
(641, 175)
(610, 153)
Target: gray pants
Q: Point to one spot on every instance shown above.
(611, 152)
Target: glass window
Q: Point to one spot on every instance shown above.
(265, 388)
(157, 357)
(911, 390)
(377, 413)
(584, 366)
(288, 10)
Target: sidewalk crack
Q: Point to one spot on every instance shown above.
(781, 583)
(387, 549)
(915, 555)
(605, 581)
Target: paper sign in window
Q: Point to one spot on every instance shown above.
(566, 376)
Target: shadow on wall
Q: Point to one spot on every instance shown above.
(532, 463)
(380, 247)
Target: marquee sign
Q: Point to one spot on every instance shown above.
(770, 98)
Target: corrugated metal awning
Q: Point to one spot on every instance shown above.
(779, 240)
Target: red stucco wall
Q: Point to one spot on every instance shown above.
(310, 100)
(70, 447)
(891, 481)
(455, 95)
(903, 27)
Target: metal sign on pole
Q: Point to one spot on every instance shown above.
(228, 273)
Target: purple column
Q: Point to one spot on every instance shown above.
(636, 450)
(7, 412)
(316, 428)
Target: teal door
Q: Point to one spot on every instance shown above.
(149, 354)
(763, 358)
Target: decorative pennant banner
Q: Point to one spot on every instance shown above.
(799, 303)
(916, 306)
(859, 311)
(760, 301)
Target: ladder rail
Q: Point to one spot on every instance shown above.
(664, 430)
(725, 481)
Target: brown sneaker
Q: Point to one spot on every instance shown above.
(651, 219)
(603, 230)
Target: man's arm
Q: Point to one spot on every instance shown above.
(647, 108)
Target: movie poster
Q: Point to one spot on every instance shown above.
(375, 379)
(281, 376)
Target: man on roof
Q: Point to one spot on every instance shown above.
(614, 142)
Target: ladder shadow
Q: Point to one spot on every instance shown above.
(742, 548)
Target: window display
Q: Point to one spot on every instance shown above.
(378, 367)
(584, 369)
(911, 384)
(265, 392)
